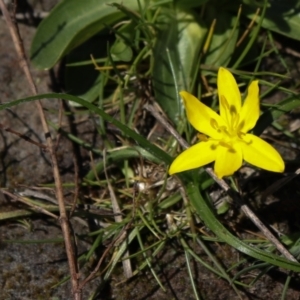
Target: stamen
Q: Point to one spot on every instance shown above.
(241, 125)
(240, 134)
(226, 109)
(202, 137)
(233, 110)
(242, 137)
(226, 145)
(213, 147)
(235, 117)
(214, 124)
(224, 102)
(249, 143)
(223, 129)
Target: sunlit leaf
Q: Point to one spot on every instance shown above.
(120, 51)
(175, 55)
(71, 23)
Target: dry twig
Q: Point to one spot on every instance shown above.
(34, 207)
(65, 225)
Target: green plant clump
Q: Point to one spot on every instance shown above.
(124, 58)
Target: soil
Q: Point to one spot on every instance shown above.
(31, 269)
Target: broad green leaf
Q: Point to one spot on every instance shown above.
(175, 56)
(120, 51)
(128, 30)
(71, 23)
(224, 37)
(281, 16)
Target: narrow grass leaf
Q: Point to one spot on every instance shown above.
(206, 214)
(151, 148)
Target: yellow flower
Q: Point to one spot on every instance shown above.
(228, 142)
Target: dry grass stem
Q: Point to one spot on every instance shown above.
(65, 225)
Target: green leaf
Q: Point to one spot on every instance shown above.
(71, 23)
(224, 37)
(145, 144)
(281, 16)
(120, 51)
(121, 154)
(175, 56)
(206, 214)
(223, 207)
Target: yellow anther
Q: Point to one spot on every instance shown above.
(214, 124)
(224, 102)
(226, 145)
(202, 137)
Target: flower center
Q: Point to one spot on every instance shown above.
(232, 130)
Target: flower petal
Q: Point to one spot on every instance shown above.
(228, 160)
(261, 154)
(250, 110)
(229, 95)
(201, 116)
(194, 157)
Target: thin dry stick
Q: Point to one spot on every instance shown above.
(76, 154)
(237, 197)
(27, 202)
(249, 27)
(58, 184)
(24, 137)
